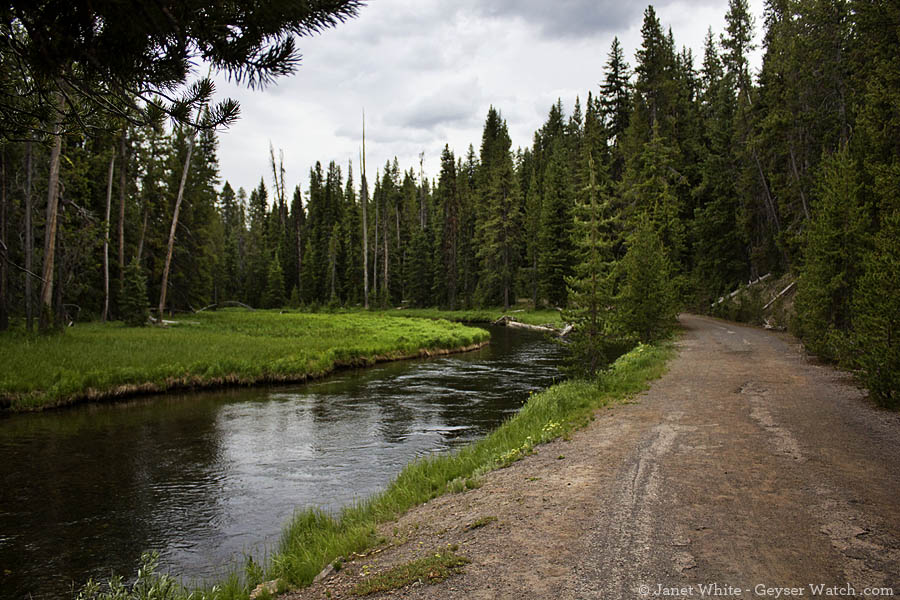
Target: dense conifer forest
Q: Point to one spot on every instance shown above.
(674, 181)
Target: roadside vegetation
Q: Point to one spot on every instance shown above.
(229, 347)
(315, 539)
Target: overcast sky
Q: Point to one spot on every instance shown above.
(426, 72)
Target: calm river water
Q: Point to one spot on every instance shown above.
(206, 478)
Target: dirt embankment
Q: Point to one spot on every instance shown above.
(747, 467)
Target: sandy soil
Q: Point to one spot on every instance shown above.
(748, 467)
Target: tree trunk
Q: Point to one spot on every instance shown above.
(770, 204)
(123, 181)
(29, 239)
(365, 246)
(385, 283)
(140, 248)
(298, 234)
(109, 183)
(171, 246)
(45, 321)
(4, 247)
(799, 183)
(375, 255)
(506, 279)
(364, 197)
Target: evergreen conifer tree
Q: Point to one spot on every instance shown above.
(133, 302)
(645, 303)
(833, 253)
(274, 296)
(876, 315)
(555, 259)
(591, 287)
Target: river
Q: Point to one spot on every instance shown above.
(206, 478)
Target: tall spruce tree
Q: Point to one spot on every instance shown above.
(645, 304)
(590, 297)
(834, 251)
(719, 248)
(449, 204)
(555, 259)
(498, 231)
(615, 100)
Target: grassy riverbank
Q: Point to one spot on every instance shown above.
(314, 539)
(231, 347)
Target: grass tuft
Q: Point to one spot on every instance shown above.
(482, 522)
(431, 569)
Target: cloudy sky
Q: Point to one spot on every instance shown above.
(426, 72)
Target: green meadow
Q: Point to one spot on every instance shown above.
(228, 347)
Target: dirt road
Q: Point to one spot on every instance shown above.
(747, 471)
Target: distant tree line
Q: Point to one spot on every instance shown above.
(672, 184)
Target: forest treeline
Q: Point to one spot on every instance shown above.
(676, 180)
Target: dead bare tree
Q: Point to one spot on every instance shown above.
(171, 247)
(29, 236)
(123, 182)
(364, 198)
(45, 320)
(109, 184)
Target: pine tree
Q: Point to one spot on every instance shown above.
(645, 304)
(468, 262)
(653, 88)
(533, 214)
(258, 256)
(555, 259)
(591, 345)
(232, 231)
(649, 191)
(352, 230)
(133, 301)
(448, 202)
(499, 227)
(274, 296)
(719, 247)
(738, 44)
(315, 242)
(418, 273)
(876, 314)
(834, 251)
(615, 100)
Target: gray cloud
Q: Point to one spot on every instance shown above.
(567, 18)
(425, 72)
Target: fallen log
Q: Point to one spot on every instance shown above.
(508, 321)
(780, 294)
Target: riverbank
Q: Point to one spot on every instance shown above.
(546, 317)
(314, 540)
(94, 361)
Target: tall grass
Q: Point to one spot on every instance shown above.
(94, 360)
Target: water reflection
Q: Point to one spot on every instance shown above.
(205, 478)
